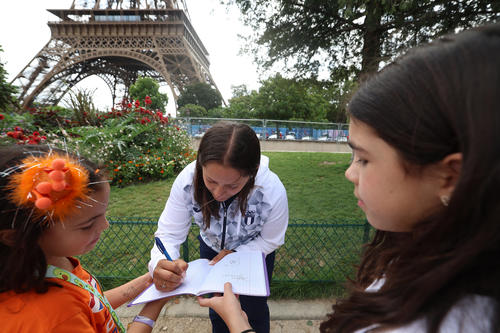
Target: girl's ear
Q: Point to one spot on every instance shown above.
(449, 168)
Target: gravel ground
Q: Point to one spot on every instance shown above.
(202, 325)
(184, 315)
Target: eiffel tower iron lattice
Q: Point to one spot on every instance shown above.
(117, 42)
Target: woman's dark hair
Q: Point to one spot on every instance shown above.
(231, 144)
(439, 99)
(22, 260)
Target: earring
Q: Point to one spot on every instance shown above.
(445, 200)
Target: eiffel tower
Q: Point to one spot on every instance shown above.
(117, 41)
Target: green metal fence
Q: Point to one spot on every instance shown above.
(314, 251)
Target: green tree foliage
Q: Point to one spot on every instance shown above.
(192, 110)
(288, 99)
(241, 104)
(146, 86)
(201, 94)
(220, 112)
(7, 90)
(351, 36)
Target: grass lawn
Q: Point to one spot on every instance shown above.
(315, 184)
(322, 242)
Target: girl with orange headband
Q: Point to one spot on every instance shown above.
(53, 208)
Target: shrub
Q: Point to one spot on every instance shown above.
(134, 144)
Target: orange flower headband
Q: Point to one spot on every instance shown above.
(52, 184)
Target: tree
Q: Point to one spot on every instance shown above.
(241, 104)
(201, 94)
(146, 86)
(351, 36)
(219, 112)
(192, 110)
(7, 90)
(287, 99)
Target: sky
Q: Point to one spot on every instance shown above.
(24, 32)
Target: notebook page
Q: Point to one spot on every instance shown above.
(245, 271)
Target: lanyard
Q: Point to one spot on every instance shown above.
(59, 273)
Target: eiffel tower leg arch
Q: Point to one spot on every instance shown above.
(62, 72)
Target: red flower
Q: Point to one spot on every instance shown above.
(2, 117)
(17, 128)
(35, 133)
(16, 135)
(148, 100)
(129, 105)
(137, 103)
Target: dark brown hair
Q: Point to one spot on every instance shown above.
(22, 260)
(231, 144)
(438, 99)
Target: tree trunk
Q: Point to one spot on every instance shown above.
(372, 39)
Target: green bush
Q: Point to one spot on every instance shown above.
(134, 144)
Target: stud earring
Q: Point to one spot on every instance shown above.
(445, 200)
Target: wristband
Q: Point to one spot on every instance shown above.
(145, 320)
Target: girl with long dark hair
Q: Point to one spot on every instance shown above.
(238, 203)
(425, 135)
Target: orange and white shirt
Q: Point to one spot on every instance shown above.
(66, 309)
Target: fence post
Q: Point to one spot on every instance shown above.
(366, 232)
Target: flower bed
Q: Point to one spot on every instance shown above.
(132, 142)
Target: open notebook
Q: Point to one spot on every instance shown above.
(245, 270)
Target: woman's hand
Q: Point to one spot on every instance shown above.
(229, 309)
(219, 256)
(168, 275)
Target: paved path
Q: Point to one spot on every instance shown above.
(296, 145)
(184, 315)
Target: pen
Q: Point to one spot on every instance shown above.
(162, 249)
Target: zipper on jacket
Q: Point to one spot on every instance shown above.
(225, 205)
